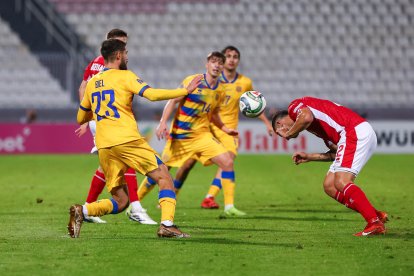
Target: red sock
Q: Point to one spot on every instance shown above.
(341, 199)
(97, 185)
(131, 180)
(355, 198)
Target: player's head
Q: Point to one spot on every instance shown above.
(117, 34)
(281, 120)
(232, 55)
(215, 63)
(114, 51)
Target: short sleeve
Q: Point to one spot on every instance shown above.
(294, 108)
(135, 85)
(87, 72)
(85, 104)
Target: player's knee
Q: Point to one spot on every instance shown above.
(122, 204)
(329, 189)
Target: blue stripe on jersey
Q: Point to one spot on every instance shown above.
(166, 193)
(84, 108)
(195, 98)
(189, 111)
(141, 92)
(159, 161)
(182, 125)
(179, 136)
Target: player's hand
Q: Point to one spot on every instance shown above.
(282, 132)
(161, 131)
(270, 130)
(230, 131)
(194, 83)
(82, 130)
(300, 157)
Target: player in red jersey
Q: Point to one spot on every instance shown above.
(135, 212)
(351, 140)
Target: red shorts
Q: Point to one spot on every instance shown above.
(355, 148)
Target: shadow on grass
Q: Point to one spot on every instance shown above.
(252, 217)
(233, 242)
(238, 229)
(304, 210)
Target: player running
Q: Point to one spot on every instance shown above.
(190, 134)
(108, 100)
(136, 212)
(235, 85)
(351, 140)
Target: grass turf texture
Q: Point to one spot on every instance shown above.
(292, 226)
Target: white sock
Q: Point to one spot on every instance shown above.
(85, 210)
(208, 196)
(167, 222)
(136, 207)
(228, 206)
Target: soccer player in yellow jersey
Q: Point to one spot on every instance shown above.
(108, 100)
(235, 85)
(190, 135)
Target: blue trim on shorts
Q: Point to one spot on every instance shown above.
(216, 182)
(115, 204)
(166, 193)
(178, 184)
(228, 175)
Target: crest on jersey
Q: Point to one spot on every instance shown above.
(239, 89)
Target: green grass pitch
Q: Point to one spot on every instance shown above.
(292, 227)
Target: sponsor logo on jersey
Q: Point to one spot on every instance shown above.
(97, 67)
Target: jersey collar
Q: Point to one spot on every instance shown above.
(208, 85)
(226, 80)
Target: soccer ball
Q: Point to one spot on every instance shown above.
(252, 104)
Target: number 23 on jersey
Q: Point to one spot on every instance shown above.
(104, 100)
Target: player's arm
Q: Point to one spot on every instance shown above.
(303, 157)
(267, 123)
(169, 108)
(215, 119)
(82, 88)
(154, 94)
(84, 111)
(303, 121)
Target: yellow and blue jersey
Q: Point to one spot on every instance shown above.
(229, 111)
(109, 96)
(194, 112)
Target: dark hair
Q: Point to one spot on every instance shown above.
(116, 33)
(278, 115)
(217, 55)
(230, 48)
(109, 48)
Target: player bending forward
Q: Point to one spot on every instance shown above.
(108, 99)
(352, 142)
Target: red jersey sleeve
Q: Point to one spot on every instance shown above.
(294, 108)
(87, 73)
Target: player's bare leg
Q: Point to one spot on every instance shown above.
(167, 203)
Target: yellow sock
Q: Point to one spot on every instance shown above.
(146, 186)
(102, 207)
(227, 181)
(215, 187)
(167, 203)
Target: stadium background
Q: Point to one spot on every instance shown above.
(356, 52)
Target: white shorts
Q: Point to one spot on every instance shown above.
(92, 128)
(355, 148)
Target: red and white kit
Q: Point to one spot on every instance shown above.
(93, 68)
(338, 125)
